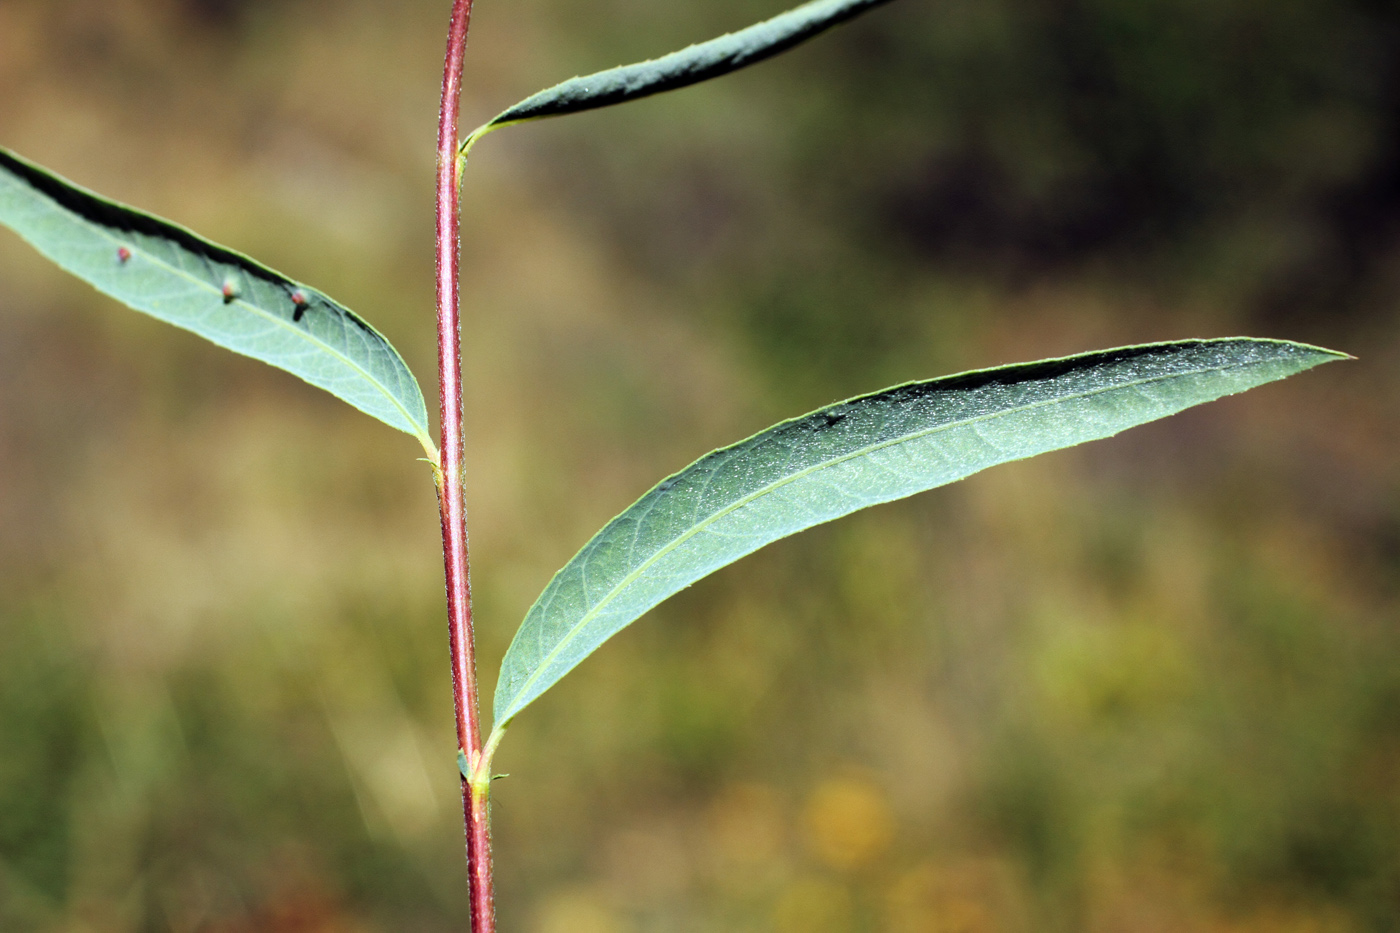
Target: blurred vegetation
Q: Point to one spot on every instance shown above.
(1151, 684)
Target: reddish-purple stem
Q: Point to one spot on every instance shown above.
(450, 496)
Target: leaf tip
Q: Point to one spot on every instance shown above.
(1323, 354)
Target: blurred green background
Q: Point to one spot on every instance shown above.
(1151, 684)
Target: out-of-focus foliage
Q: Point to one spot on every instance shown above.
(1151, 684)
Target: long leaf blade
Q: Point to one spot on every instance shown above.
(169, 272)
(855, 454)
(691, 65)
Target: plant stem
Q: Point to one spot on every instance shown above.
(451, 501)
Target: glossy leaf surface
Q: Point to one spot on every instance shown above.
(166, 271)
(855, 454)
(690, 65)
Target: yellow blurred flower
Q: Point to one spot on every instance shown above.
(849, 823)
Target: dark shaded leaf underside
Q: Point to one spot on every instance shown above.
(690, 65)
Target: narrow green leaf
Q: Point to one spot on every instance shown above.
(171, 273)
(855, 454)
(690, 65)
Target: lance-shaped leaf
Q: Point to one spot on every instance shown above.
(690, 65)
(855, 454)
(168, 272)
